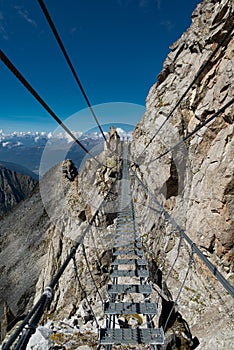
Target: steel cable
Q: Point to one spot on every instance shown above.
(198, 74)
(200, 126)
(62, 47)
(47, 295)
(83, 290)
(229, 288)
(33, 92)
(90, 272)
(180, 290)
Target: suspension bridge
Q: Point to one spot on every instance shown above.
(128, 290)
(128, 263)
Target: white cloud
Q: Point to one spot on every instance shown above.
(25, 15)
(4, 144)
(123, 134)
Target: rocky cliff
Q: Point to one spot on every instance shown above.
(195, 182)
(36, 238)
(14, 187)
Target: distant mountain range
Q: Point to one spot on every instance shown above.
(19, 169)
(26, 148)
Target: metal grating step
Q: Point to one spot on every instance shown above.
(129, 288)
(124, 240)
(125, 234)
(128, 336)
(129, 252)
(123, 245)
(130, 273)
(128, 241)
(130, 308)
(139, 262)
(126, 220)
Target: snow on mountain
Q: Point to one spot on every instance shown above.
(27, 148)
(123, 134)
(17, 139)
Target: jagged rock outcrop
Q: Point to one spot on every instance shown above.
(195, 181)
(45, 227)
(14, 187)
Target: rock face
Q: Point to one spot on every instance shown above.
(36, 238)
(14, 187)
(195, 182)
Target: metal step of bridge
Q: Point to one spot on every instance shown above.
(138, 262)
(128, 244)
(129, 288)
(125, 236)
(124, 231)
(130, 336)
(130, 308)
(125, 245)
(130, 273)
(129, 252)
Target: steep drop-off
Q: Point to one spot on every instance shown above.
(14, 187)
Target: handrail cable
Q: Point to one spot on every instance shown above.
(229, 288)
(31, 328)
(62, 47)
(197, 128)
(95, 248)
(175, 260)
(83, 290)
(181, 288)
(200, 71)
(48, 292)
(33, 92)
(15, 335)
(172, 266)
(90, 272)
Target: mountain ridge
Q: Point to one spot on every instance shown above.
(14, 187)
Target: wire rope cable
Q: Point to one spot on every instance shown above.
(197, 128)
(48, 292)
(83, 289)
(96, 249)
(200, 126)
(198, 74)
(213, 269)
(33, 92)
(90, 272)
(180, 290)
(62, 47)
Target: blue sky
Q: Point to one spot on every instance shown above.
(117, 47)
